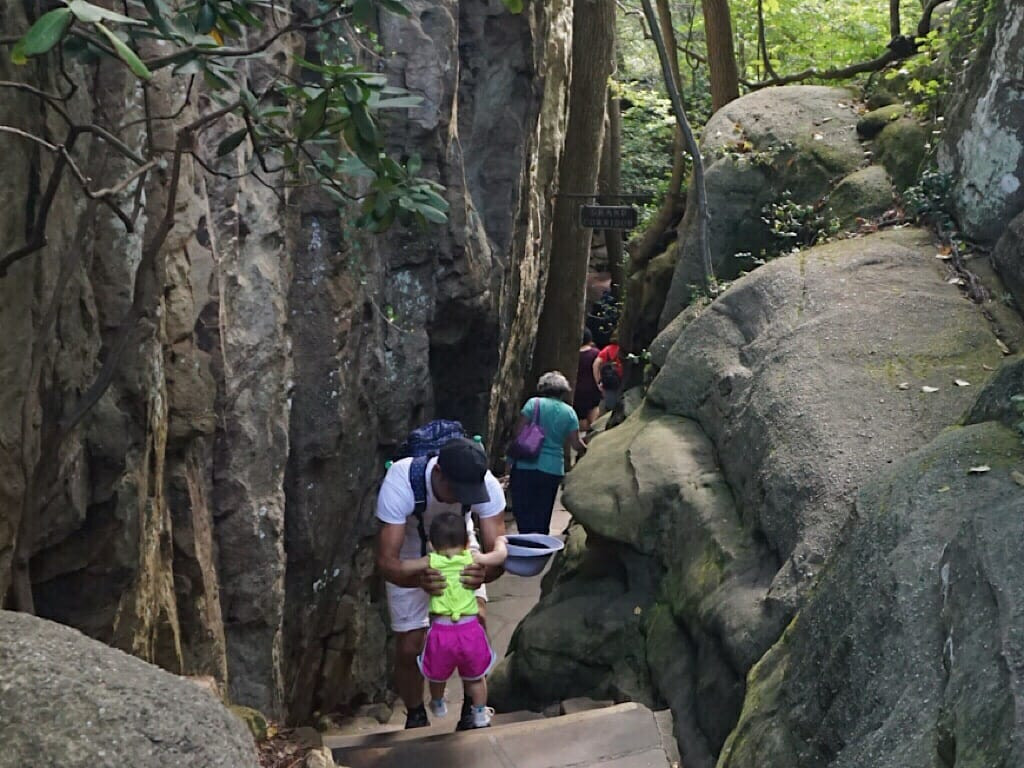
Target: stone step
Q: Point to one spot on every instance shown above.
(622, 736)
(394, 734)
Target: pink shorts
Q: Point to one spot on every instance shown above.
(460, 645)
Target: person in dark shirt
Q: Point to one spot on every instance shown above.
(587, 397)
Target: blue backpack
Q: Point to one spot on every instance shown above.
(422, 444)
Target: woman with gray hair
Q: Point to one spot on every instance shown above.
(533, 482)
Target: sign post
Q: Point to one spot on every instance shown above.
(608, 216)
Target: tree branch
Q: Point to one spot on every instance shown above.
(829, 74)
(762, 42)
(925, 25)
(314, 24)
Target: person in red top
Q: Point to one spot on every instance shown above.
(608, 374)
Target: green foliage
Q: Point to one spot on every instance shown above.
(794, 226)
(322, 130)
(930, 201)
(815, 33)
(647, 138)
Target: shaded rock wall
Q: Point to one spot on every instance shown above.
(983, 145)
(213, 512)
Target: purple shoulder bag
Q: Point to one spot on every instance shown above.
(528, 442)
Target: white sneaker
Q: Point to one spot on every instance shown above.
(482, 716)
(439, 707)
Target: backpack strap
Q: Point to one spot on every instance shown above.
(418, 482)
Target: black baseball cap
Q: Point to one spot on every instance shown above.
(464, 464)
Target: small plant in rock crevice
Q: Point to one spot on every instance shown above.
(792, 226)
(930, 201)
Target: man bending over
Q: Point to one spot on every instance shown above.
(456, 480)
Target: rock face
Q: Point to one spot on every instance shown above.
(71, 701)
(904, 654)
(720, 501)
(212, 513)
(794, 140)
(983, 146)
(1008, 258)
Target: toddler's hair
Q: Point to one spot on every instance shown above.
(448, 531)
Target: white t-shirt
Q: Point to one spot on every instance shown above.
(396, 503)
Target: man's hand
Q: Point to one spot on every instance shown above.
(433, 581)
(472, 576)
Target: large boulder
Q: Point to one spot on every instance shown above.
(907, 655)
(738, 475)
(983, 143)
(794, 141)
(70, 701)
(807, 376)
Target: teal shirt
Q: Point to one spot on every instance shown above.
(557, 420)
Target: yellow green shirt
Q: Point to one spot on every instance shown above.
(456, 601)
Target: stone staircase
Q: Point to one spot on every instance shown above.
(620, 736)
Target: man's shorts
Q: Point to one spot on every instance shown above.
(460, 645)
(410, 607)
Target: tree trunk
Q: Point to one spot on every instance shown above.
(698, 189)
(894, 19)
(725, 83)
(610, 183)
(762, 41)
(561, 319)
(672, 206)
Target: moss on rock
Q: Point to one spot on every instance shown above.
(872, 123)
(900, 147)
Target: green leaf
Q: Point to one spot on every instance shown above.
(513, 6)
(415, 163)
(245, 16)
(44, 34)
(435, 200)
(18, 55)
(156, 15)
(230, 142)
(353, 93)
(431, 214)
(394, 6)
(93, 14)
(127, 55)
(206, 19)
(313, 119)
(364, 124)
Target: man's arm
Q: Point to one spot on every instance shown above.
(597, 371)
(410, 573)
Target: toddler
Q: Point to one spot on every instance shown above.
(456, 638)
